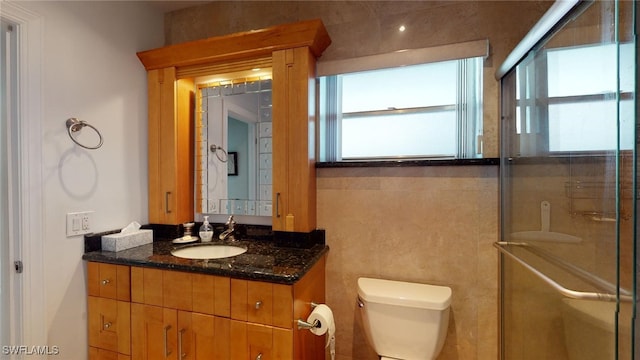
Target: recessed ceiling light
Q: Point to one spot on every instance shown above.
(402, 28)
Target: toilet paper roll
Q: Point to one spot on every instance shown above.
(326, 324)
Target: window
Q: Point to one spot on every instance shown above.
(419, 111)
(578, 112)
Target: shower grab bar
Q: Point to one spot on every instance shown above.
(625, 296)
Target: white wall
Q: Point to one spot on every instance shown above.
(90, 71)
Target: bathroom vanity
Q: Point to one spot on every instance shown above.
(144, 303)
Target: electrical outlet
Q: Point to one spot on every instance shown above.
(79, 223)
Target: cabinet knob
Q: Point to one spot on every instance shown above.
(105, 281)
(106, 325)
(259, 357)
(258, 304)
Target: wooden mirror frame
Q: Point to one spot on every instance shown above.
(291, 49)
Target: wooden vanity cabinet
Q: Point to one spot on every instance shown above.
(108, 311)
(290, 50)
(262, 303)
(109, 281)
(101, 354)
(254, 341)
(170, 146)
(168, 314)
(264, 317)
(175, 313)
(163, 333)
(294, 175)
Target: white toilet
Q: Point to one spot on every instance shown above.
(404, 320)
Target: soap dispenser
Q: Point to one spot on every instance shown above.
(206, 231)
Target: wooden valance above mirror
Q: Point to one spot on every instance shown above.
(252, 44)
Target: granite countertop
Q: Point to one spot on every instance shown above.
(263, 260)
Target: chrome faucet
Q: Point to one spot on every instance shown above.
(231, 228)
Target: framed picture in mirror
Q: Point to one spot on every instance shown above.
(232, 164)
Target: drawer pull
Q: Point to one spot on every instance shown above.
(167, 209)
(105, 281)
(181, 355)
(259, 357)
(167, 352)
(258, 304)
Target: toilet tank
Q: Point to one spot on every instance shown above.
(404, 320)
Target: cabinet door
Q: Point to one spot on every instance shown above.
(170, 147)
(203, 337)
(101, 354)
(294, 177)
(109, 324)
(260, 342)
(154, 333)
(108, 281)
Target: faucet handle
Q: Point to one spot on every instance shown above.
(230, 222)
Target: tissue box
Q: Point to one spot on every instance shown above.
(120, 241)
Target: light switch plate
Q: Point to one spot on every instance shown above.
(79, 223)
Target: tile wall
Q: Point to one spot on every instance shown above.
(424, 224)
(431, 225)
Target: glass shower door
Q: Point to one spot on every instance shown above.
(568, 190)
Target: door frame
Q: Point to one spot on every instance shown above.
(29, 325)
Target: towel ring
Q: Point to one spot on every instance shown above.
(214, 149)
(75, 125)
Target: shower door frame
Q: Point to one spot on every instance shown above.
(552, 21)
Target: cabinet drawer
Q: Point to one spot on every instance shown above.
(262, 303)
(109, 324)
(108, 281)
(212, 295)
(253, 341)
(166, 288)
(101, 354)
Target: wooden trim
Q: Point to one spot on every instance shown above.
(27, 305)
(244, 45)
(311, 288)
(224, 68)
(185, 139)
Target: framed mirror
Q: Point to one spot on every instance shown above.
(233, 144)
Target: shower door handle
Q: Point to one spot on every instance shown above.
(573, 294)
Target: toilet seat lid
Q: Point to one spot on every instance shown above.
(401, 293)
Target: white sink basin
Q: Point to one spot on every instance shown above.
(209, 251)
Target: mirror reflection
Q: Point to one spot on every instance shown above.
(233, 146)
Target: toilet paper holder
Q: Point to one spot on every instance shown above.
(305, 325)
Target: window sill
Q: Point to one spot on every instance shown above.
(408, 163)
